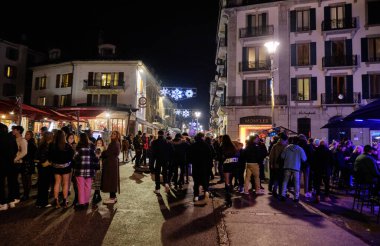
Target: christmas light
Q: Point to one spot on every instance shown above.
(178, 93)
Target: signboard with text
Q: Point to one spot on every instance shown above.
(256, 120)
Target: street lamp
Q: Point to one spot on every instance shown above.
(197, 115)
(271, 48)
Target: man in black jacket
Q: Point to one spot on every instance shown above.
(162, 153)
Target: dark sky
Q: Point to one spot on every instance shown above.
(175, 38)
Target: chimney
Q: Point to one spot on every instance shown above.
(54, 54)
(106, 50)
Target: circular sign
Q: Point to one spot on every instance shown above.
(142, 101)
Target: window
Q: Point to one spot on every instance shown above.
(257, 20)
(303, 54)
(40, 83)
(374, 49)
(62, 100)
(65, 81)
(373, 17)
(106, 80)
(337, 16)
(10, 72)
(41, 101)
(12, 54)
(338, 88)
(303, 20)
(9, 90)
(374, 85)
(257, 57)
(304, 126)
(104, 100)
(303, 89)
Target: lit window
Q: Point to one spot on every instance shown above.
(42, 83)
(41, 101)
(303, 20)
(63, 100)
(10, 72)
(303, 89)
(303, 54)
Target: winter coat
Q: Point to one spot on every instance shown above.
(275, 160)
(323, 160)
(110, 173)
(162, 150)
(366, 169)
(293, 155)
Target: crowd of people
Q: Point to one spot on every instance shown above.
(66, 161)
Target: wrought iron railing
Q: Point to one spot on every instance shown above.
(336, 24)
(335, 98)
(254, 66)
(258, 100)
(339, 61)
(99, 84)
(256, 31)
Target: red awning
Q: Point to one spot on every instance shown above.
(82, 112)
(8, 106)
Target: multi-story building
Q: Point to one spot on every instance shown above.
(118, 86)
(14, 62)
(326, 66)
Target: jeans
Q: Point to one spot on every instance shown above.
(164, 166)
(296, 176)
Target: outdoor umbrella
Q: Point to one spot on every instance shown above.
(369, 111)
(353, 124)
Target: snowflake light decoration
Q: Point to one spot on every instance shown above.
(185, 113)
(164, 92)
(189, 93)
(177, 112)
(176, 94)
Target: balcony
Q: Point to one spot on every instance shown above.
(258, 31)
(98, 86)
(222, 42)
(338, 24)
(254, 66)
(339, 61)
(334, 98)
(259, 100)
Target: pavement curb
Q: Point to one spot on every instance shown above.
(220, 224)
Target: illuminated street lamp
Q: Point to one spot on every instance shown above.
(197, 115)
(271, 48)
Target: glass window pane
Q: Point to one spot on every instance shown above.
(306, 89)
(299, 19)
(306, 19)
(300, 93)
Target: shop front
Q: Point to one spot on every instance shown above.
(252, 125)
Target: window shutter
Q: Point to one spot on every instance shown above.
(244, 88)
(293, 54)
(364, 47)
(327, 52)
(57, 81)
(365, 86)
(313, 20)
(114, 100)
(313, 53)
(348, 12)
(90, 80)
(70, 79)
(294, 89)
(89, 99)
(264, 19)
(245, 59)
(326, 19)
(121, 79)
(249, 21)
(293, 21)
(328, 86)
(56, 101)
(69, 98)
(350, 88)
(313, 88)
(37, 83)
(349, 49)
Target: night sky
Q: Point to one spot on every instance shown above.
(176, 39)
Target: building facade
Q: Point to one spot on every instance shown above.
(326, 66)
(108, 83)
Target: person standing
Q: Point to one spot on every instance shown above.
(86, 164)
(110, 179)
(22, 146)
(276, 163)
(293, 155)
(45, 170)
(162, 152)
(61, 155)
(366, 170)
(100, 147)
(28, 167)
(322, 169)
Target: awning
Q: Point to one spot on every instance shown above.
(8, 106)
(353, 124)
(90, 112)
(369, 111)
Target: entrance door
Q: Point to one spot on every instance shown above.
(338, 134)
(304, 126)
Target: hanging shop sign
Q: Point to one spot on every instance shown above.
(178, 93)
(142, 102)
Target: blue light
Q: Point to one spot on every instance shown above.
(358, 120)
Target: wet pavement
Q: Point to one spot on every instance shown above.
(141, 217)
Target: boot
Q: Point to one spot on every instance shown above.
(228, 201)
(65, 203)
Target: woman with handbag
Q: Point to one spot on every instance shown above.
(45, 170)
(110, 175)
(86, 163)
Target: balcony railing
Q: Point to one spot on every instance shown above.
(222, 42)
(99, 84)
(338, 24)
(254, 66)
(256, 31)
(259, 100)
(339, 61)
(335, 98)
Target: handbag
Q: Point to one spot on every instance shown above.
(46, 163)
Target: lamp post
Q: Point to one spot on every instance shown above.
(197, 115)
(271, 48)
